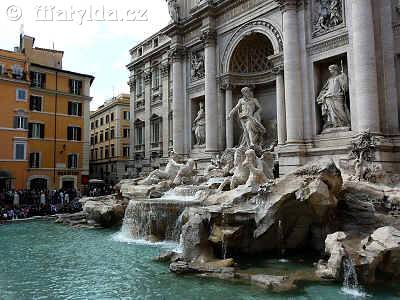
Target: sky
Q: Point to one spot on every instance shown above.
(95, 35)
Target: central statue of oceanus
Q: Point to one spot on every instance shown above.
(249, 110)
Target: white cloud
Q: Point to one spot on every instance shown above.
(100, 48)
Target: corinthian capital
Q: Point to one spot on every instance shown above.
(208, 36)
(176, 53)
(288, 4)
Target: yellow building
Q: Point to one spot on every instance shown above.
(110, 138)
(45, 131)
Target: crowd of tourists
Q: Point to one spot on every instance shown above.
(29, 203)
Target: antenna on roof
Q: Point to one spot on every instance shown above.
(113, 92)
(21, 30)
(53, 46)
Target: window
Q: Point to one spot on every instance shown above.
(17, 72)
(21, 95)
(101, 121)
(101, 137)
(155, 124)
(1, 69)
(35, 103)
(20, 150)
(127, 115)
(74, 108)
(126, 132)
(112, 117)
(75, 86)
(96, 153)
(72, 161)
(139, 85)
(106, 135)
(139, 133)
(156, 78)
(107, 119)
(101, 152)
(36, 131)
(155, 42)
(107, 152)
(74, 133)
(112, 151)
(97, 123)
(91, 125)
(112, 133)
(20, 122)
(38, 80)
(92, 140)
(126, 150)
(96, 139)
(34, 160)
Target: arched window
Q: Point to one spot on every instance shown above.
(251, 55)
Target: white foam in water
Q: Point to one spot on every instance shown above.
(356, 293)
(123, 238)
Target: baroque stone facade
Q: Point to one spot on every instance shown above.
(322, 71)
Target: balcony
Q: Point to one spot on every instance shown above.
(11, 75)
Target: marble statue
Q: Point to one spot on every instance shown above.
(173, 10)
(249, 110)
(332, 100)
(256, 175)
(239, 171)
(170, 172)
(199, 126)
(185, 173)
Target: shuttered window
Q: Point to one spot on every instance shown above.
(35, 103)
(74, 133)
(36, 131)
(20, 122)
(74, 108)
(34, 160)
(72, 161)
(75, 86)
(38, 80)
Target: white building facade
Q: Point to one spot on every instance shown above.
(284, 51)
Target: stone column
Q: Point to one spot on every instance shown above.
(132, 85)
(178, 105)
(147, 113)
(211, 98)
(165, 107)
(229, 123)
(364, 66)
(280, 107)
(292, 73)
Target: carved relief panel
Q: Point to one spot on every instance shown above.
(197, 69)
(327, 16)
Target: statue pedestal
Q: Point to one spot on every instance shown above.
(334, 130)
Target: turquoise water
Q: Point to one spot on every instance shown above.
(42, 260)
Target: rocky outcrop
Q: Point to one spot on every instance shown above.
(334, 247)
(379, 252)
(105, 211)
(278, 215)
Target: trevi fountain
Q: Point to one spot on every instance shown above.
(309, 211)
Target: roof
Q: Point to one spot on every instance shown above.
(65, 71)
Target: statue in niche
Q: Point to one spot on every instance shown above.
(173, 10)
(329, 15)
(249, 110)
(170, 172)
(332, 100)
(197, 66)
(199, 126)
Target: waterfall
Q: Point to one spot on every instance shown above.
(159, 219)
(350, 280)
